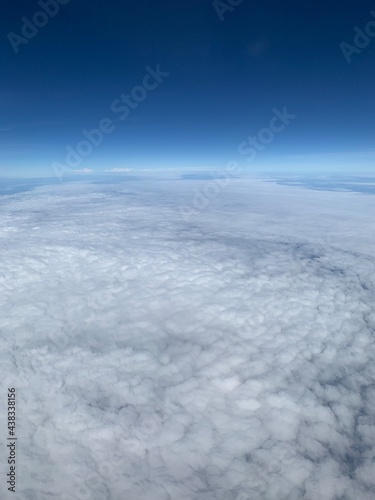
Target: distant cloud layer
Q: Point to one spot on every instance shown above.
(83, 171)
(230, 357)
(118, 170)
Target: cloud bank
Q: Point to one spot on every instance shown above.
(226, 357)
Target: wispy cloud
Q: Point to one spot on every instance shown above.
(83, 171)
(119, 170)
(257, 48)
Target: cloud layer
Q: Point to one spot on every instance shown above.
(226, 357)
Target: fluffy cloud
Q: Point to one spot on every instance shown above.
(225, 357)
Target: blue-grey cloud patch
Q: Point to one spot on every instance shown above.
(354, 184)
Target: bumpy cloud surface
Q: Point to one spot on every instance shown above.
(226, 355)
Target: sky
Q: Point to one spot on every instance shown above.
(218, 73)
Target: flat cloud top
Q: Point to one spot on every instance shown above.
(224, 356)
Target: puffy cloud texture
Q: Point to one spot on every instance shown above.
(225, 357)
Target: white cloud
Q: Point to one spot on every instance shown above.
(117, 170)
(230, 357)
(83, 171)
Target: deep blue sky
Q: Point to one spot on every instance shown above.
(225, 79)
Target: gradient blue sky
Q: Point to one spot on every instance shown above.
(225, 79)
